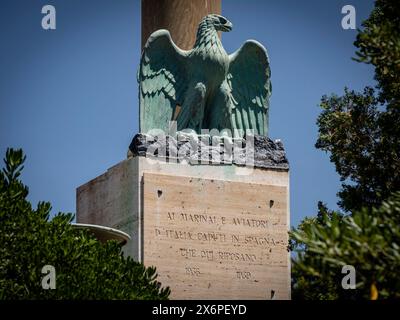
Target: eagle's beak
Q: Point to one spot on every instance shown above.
(227, 26)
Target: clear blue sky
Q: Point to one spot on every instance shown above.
(69, 97)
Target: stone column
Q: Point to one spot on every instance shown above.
(180, 17)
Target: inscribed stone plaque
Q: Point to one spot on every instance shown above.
(216, 239)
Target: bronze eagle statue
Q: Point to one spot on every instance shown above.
(204, 88)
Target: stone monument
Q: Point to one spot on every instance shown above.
(204, 193)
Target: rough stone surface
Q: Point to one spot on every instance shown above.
(257, 151)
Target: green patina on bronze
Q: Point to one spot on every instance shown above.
(204, 88)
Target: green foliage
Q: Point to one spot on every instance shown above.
(85, 268)
(362, 145)
(379, 45)
(369, 240)
(361, 132)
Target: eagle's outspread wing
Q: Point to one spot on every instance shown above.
(250, 87)
(162, 81)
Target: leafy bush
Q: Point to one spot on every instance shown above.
(361, 132)
(85, 268)
(367, 240)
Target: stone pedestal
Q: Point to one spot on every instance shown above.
(212, 231)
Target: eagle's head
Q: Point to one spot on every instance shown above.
(219, 22)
